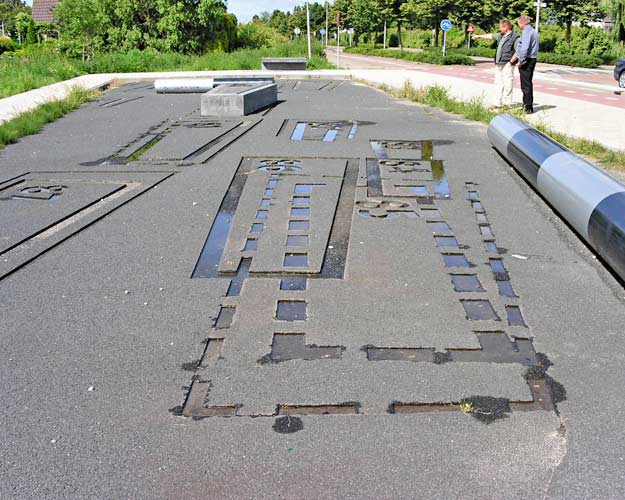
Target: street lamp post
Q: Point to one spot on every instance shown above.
(538, 5)
(308, 31)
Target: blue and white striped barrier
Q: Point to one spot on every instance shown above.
(589, 199)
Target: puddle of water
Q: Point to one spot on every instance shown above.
(439, 227)
(303, 188)
(295, 284)
(299, 225)
(236, 283)
(379, 150)
(296, 240)
(420, 190)
(296, 259)
(490, 247)
(250, 245)
(497, 266)
(479, 310)
(455, 260)
(505, 288)
(515, 318)
(298, 133)
(446, 241)
(330, 136)
(466, 283)
(225, 317)
(441, 184)
(291, 310)
(257, 227)
(300, 212)
(477, 205)
(352, 131)
(262, 214)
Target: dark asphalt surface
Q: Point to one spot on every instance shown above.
(104, 331)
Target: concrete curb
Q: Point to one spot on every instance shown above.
(587, 198)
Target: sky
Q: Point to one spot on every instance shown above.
(245, 9)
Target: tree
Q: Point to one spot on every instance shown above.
(616, 10)
(80, 20)
(569, 11)
(22, 22)
(365, 16)
(428, 13)
(9, 10)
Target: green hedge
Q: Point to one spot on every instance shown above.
(579, 60)
(428, 56)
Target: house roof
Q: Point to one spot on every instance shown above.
(42, 10)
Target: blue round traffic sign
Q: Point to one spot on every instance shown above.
(445, 24)
(322, 31)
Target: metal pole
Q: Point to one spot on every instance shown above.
(385, 32)
(308, 31)
(444, 42)
(327, 26)
(538, 14)
(338, 44)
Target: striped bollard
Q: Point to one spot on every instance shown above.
(586, 197)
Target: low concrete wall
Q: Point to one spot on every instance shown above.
(284, 63)
(590, 200)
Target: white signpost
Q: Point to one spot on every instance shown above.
(308, 31)
(538, 5)
(445, 26)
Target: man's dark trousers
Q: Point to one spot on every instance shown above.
(526, 72)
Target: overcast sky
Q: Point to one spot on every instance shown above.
(245, 9)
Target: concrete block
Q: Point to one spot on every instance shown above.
(284, 63)
(237, 99)
(183, 85)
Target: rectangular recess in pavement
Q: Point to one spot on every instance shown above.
(41, 210)
(326, 219)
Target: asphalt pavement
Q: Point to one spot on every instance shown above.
(341, 296)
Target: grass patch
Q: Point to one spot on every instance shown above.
(475, 109)
(427, 56)
(46, 66)
(31, 122)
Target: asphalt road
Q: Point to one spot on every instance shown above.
(344, 296)
(545, 79)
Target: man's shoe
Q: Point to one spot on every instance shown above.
(529, 111)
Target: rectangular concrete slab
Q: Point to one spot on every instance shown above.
(238, 99)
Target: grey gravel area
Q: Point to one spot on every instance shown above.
(104, 331)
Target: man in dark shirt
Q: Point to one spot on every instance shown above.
(526, 56)
(507, 42)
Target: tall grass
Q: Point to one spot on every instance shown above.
(46, 66)
(33, 121)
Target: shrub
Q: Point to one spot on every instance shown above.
(6, 44)
(578, 60)
(431, 56)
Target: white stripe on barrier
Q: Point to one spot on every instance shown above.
(574, 187)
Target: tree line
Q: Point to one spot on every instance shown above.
(368, 17)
